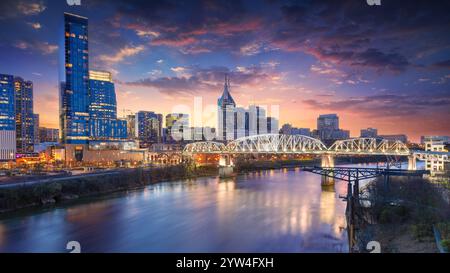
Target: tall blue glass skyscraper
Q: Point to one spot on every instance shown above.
(24, 115)
(103, 122)
(7, 118)
(74, 93)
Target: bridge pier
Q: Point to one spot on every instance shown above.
(412, 163)
(226, 166)
(327, 162)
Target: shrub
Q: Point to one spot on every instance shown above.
(421, 231)
(446, 244)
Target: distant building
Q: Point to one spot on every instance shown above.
(148, 128)
(437, 164)
(103, 122)
(287, 129)
(74, 105)
(444, 139)
(257, 120)
(241, 122)
(7, 119)
(328, 122)
(176, 123)
(369, 133)
(24, 115)
(48, 135)
(328, 129)
(402, 138)
(272, 125)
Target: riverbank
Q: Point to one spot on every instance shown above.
(73, 188)
(402, 217)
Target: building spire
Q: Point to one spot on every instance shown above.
(227, 81)
(226, 96)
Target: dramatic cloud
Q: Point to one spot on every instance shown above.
(193, 80)
(123, 53)
(43, 47)
(12, 9)
(384, 106)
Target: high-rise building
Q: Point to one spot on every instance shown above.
(287, 129)
(369, 133)
(176, 124)
(328, 122)
(148, 128)
(272, 125)
(257, 120)
(36, 129)
(226, 114)
(103, 122)
(24, 115)
(241, 122)
(328, 129)
(74, 78)
(7, 118)
(48, 135)
(131, 126)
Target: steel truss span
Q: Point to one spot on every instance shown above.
(372, 146)
(206, 147)
(276, 144)
(299, 144)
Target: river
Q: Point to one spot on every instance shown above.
(269, 211)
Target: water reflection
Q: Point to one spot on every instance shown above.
(268, 211)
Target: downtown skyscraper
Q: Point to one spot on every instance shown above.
(103, 122)
(226, 114)
(74, 93)
(25, 117)
(7, 118)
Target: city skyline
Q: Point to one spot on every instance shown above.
(391, 79)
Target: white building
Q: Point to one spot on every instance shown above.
(436, 164)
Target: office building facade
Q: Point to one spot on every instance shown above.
(148, 128)
(328, 129)
(369, 133)
(7, 118)
(48, 135)
(74, 78)
(24, 115)
(103, 122)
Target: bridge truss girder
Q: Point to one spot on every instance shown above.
(299, 144)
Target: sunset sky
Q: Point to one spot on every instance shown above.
(382, 66)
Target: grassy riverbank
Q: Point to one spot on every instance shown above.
(42, 194)
(403, 215)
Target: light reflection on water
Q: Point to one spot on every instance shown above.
(268, 211)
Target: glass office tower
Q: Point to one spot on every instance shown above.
(74, 94)
(24, 115)
(7, 118)
(103, 122)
